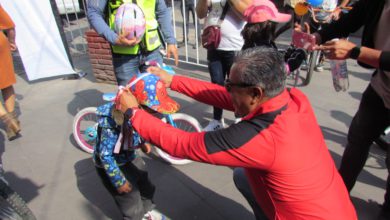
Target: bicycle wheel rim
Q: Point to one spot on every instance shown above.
(186, 123)
(85, 129)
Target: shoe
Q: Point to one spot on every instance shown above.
(215, 125)
(303, 67)
(237, 120)
(154, 215)
(319, 67)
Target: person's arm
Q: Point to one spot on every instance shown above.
(202, 91)
(164, 19)
(341, 49)
(106, 156)
(347, 23)
(95, 14)
(11, 38)
(202, 8)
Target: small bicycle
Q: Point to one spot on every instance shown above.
(85, 126)
(316, 17)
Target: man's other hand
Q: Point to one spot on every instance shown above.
(164, 76)
(337, 50)
(127, 100)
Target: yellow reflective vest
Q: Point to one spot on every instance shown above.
(151, 39)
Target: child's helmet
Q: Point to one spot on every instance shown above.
(151, 92)
(129, 18)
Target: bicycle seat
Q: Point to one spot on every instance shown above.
(151, 92)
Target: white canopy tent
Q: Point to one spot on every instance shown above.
(38, 38)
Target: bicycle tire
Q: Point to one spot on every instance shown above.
(384, 140)
(85, 137)
(15, 202)
(184, 122)
(310, 69)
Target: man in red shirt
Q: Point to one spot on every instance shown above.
(278, 142)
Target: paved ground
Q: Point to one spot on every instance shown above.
(59, 181)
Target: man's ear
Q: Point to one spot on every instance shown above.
(257, 94)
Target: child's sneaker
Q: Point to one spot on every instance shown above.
(215, 125)
(154, 215)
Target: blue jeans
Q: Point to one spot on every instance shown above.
(219, 63)
(242, 184)
(127, 66)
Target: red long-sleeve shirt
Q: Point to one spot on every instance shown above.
(280, 145)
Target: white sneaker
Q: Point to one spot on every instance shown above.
(237, 120)
(154, 215)
(215, 125)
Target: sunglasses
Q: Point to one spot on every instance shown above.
(229, 85)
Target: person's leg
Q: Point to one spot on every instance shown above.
(227, 62)
(216, 75)
(7, 113)
(130, 204)
(242, 184)
(368, 123)
(385, 212)
(9, 98)
(146, 187)
(126, 66)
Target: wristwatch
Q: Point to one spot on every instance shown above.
(130, 112)
(355, 52)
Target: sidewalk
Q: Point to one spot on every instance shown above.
(59, 181)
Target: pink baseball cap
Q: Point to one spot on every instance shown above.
(264, 10)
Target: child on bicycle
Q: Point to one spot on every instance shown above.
(118, 164)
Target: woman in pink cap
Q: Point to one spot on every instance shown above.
(262, 18)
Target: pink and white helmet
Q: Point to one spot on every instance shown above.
(129, 18)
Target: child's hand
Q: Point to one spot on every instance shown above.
(125, 188)
(146, 148)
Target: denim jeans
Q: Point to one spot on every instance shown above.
(242, 184)
(127, 66)
(189, 8)
(219, 63)
(135, 204)
(369, 122)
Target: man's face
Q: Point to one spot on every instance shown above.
(243, 95)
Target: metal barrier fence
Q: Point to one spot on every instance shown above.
(74, 21)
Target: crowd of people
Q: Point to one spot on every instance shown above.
(282, 165)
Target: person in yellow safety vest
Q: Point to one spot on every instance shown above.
(133, 195)
(128, 54)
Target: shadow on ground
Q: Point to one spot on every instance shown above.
(177, 195)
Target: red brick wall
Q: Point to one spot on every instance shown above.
(100, 57)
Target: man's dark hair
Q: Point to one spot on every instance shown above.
(258, 34)
(264, 67)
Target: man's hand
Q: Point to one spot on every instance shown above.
(127, 100)
(336, 14)
(172, 49)
(164, 76)
(125, 188)
(337, 50)
(123, 41)
(299, 28)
